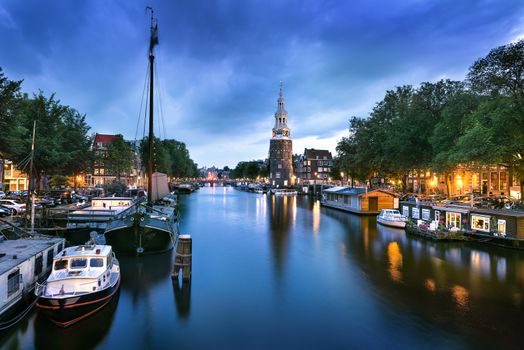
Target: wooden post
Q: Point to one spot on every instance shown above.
(183, 257)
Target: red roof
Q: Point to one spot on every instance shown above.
(104, 138)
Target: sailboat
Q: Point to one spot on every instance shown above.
(149, 227)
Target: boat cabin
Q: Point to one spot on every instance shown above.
(80, 269)
(359, 200)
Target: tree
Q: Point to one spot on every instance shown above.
(170, 157)
(500, 77)
(9, 103)
(119, 156)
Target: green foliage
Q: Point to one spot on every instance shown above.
(58, 182)
(61, 141)
(249, 170)
(440, 125)
(119, 156)
(170, 157)
(115, 187)
(9, 104)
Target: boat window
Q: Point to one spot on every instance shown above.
(13, 282)
(78, 263)
(60, 264)
(96, 262)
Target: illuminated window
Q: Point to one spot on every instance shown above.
(405, 211)
(480, 223)
(453, 219)
(415, 213)
(501, 227)
(426, 214)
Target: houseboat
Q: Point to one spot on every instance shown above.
(498, 226)
(359, 200)
(23, 263)
(84, 279)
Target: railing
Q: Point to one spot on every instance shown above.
(44, 290)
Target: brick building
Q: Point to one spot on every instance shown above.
(314, 165)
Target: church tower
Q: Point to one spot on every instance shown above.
(281, 148)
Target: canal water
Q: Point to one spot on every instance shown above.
(286, 273)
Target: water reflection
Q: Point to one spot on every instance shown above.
(280, 221)
(182, 292)
(395, 261)
(474, 288)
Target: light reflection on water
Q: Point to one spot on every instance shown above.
(284, 272)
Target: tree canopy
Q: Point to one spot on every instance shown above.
(443, 124)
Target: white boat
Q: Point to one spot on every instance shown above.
(284, 192)
(97, 215)
(23, 262)
(391, 217)
(84, 279)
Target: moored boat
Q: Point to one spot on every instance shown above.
(391, 217)
(147, 227)
(284, 192)
(84, 279)
(81, 222)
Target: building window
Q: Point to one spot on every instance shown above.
(503, 181)
(494, 181)
(405, 211)
(39, 265)
(319, 170)
(13, 282)
(415, 213)
(480, 223)
(279, 166)
(453, 219)
(277, 175)
(426, 214)
(501, 227)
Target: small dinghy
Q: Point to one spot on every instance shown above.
(84, 279)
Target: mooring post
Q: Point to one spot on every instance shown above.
(183, 257)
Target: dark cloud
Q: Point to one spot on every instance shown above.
(220, 62)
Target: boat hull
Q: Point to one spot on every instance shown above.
(65, 312)
(397, 224)
(139, 240)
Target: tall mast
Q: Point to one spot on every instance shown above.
(153, 42)
(30, 196)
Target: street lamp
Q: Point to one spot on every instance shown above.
(342, 178)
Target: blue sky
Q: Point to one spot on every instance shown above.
(220, 61)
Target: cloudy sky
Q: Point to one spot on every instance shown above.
(220, 61)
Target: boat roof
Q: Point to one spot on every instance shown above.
(85, 250)
(15, 252)
(111, 198)
(356, 191)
